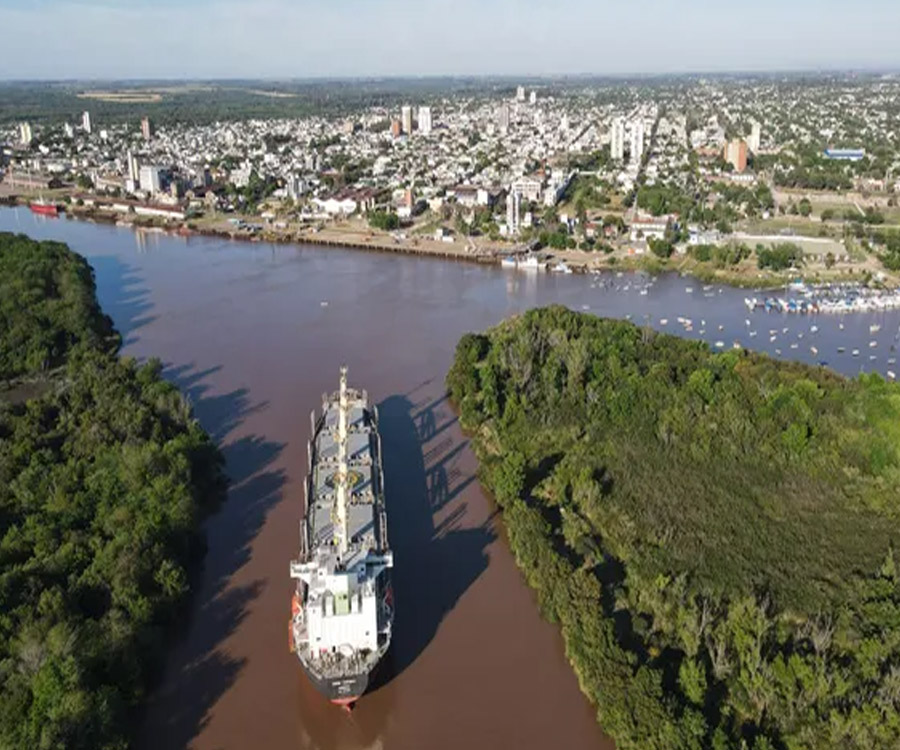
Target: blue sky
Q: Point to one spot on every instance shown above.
(61, 39)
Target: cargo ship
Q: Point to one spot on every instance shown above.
(44, 208)
(342, 611)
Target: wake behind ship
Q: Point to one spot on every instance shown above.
(342, 610)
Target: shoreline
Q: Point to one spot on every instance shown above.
(579, 261)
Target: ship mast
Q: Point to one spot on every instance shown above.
(342, 472)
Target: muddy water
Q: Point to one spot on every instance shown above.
(242, 329)
(254, 334)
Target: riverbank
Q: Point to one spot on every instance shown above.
(358, 235)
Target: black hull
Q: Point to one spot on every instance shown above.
(344, 690)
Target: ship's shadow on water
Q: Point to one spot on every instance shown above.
(197, 671)
(435, 562)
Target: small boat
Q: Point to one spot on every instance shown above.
(561, 268)
(874, 328)
(44, 208)
(752, 334)
(873, 344)
(689, 289)
(795, 345)
(720, 344)
(664, 321)
(508, 262)
(531, 263)
(772, 338)
(891, 374)
(643, 292)
(814, 350)
(855, 352)
(841, 350)
(813, 329)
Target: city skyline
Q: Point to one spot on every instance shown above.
(98, 39)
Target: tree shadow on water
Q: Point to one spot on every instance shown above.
(197, 670)
(122, 295)
(434, 563)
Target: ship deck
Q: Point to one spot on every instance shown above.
(363, 467)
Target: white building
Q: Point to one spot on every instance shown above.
(406, 119)
(424, 120)
(527, 187)
(69, 130)
(134, 167)
(25, 133)
(336, 206)
(295, 186)
(503, 118)
(617, 139)
(520, 94)
(86, 122)
(755, 137)
(533, 97)
(151, 179)
(637, 141)
(513, 212)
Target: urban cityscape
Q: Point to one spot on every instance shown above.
(615, 173)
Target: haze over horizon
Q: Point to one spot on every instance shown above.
(206, 39)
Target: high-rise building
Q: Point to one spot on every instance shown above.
(86, 122)
(637, 141)
(617, 139)
(755, 136)
(533, 97)
(503, 118)
(25, 134)
(151, 179)
(736, 154)
(69, 130)
(134, 167)
(513, 211)
(295, 186)
(520, 94)
(406, 119)
(425, 120)
(146, 128)
(396, 128)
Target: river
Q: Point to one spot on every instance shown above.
(254, 334)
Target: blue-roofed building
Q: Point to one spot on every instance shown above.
(845, 154)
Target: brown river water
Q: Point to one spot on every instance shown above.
(241, 328)
(254, 334)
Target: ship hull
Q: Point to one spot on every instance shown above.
(44, 209)
(343, 691)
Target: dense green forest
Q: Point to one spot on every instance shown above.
(47, 306)
(714, 533)
(103, 481)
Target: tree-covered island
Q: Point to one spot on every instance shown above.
(714, 533)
